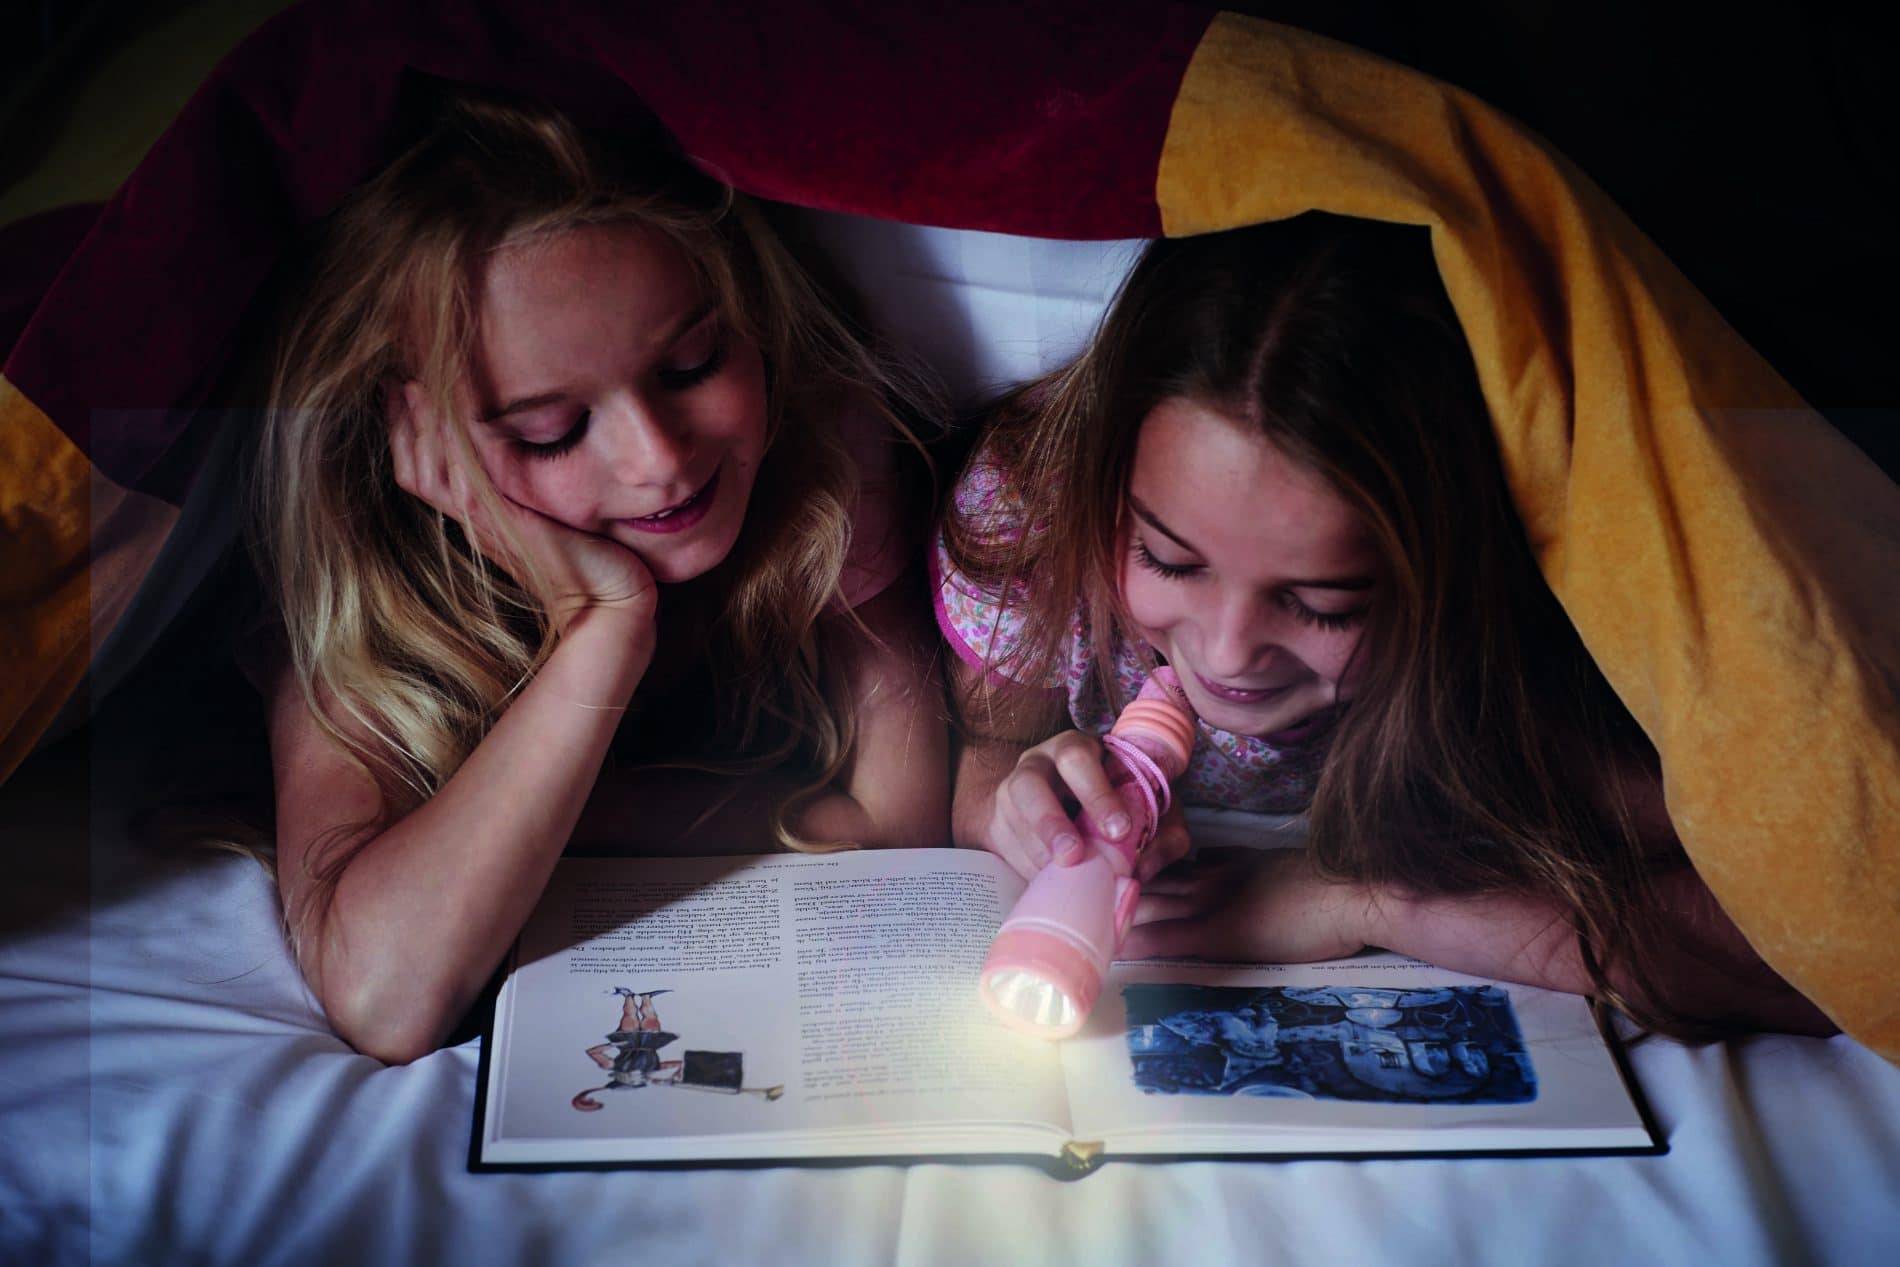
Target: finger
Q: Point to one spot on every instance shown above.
(402, 437)
(1170, 844)
(1013, 842)
(1030, 848)
(420, 438)
(1176, 881)
(1198, 875)
(1078, 763)
(459, 491)
(1033, 799)
(1167, 939)
(1156, 907)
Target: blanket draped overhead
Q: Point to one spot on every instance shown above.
(1728, 559)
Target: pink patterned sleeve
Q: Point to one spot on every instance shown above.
(977, 623)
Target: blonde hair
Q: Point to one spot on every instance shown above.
(405, 644)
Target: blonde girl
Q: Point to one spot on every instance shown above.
(568, 469)
(1273, 470)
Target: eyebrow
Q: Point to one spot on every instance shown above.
(1313, 583)
(673, 334)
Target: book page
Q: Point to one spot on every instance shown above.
(664, 997)
(1376, 1054)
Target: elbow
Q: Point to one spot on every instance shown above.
(969, 826)
(394, 1047)
(932, 834)
(920, 823)
(875, 823)
(913, 832)
(393, 1026)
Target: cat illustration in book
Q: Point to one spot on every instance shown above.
(631, 1057)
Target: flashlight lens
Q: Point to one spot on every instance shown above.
(1033, 1000)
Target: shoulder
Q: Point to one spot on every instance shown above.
(324, 793)
(986, 500)
(983, 621)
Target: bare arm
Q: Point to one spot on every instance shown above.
(893, 792)
(1270, 906)
(426, 907)
(1707, 972)
(423, 907)
(987, 752)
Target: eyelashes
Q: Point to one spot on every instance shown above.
(1331, 622)
(693, 375)
(672, 379)
(563, 444)
(1172, 571)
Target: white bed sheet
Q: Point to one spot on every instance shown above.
(169, 1093)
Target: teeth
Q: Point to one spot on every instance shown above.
(668, 514)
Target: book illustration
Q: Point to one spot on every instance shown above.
(848, 978)
(1444, 1045)
(631, 1057)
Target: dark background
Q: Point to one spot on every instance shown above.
(1758, 149)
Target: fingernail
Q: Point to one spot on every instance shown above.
(1127, 893)
(1068, 850)
(1117, 825)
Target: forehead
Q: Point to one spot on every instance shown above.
(573, 291)
(1241, 502)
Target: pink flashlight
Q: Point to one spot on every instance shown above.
(1045, 967)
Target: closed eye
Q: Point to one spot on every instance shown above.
(1332, 622)
(1172, 571)
(564, 443)
(686, 377)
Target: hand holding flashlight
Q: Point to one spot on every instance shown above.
(1045, 967)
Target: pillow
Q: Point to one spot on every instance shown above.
(1726, 556)
(986, 310)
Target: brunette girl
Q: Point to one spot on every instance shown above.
(1274, 471)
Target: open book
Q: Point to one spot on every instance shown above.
(671, 1010)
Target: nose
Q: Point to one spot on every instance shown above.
(643, 443)
(1237, 637)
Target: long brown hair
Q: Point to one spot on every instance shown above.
(1483, 751)
(405, 643)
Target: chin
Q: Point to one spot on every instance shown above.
(1251, 723)
(674, 561)
(690, 565)
(1235, 721)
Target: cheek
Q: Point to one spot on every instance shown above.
(738, 410)
(558, 488)
(1335, 659)
(1153, 602)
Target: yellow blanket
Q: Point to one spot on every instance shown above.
(1730, 560)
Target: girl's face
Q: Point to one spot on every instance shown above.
(613, 396)
(1245, 570)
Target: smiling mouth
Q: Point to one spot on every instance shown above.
(1243, 695)
(680, 516)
